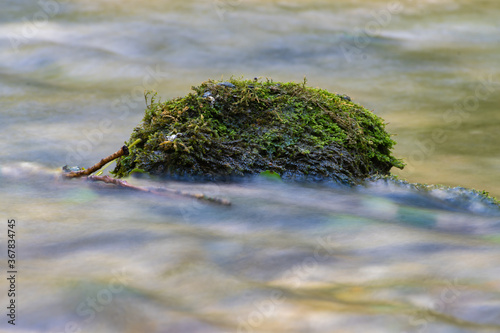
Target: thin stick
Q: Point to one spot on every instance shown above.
(122, 152)
(159, 191)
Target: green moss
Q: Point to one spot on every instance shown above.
(243, 127)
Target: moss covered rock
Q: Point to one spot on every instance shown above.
(242, 127)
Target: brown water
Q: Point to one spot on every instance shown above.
(283, 257)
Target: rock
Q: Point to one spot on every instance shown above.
(242, 127)
(226, 84)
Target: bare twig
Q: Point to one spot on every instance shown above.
(122, 152)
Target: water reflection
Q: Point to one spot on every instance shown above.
(283, 257)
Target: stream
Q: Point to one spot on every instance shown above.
(283, 257)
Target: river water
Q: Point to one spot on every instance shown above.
(283, 257)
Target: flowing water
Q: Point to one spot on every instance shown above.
(283, 257)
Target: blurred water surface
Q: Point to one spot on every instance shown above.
(283, 257)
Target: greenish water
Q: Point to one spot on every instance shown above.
(283, 257)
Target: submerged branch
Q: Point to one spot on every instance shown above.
(124, 151)
(159, 190)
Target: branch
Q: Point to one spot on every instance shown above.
(122, 152)
(159, 191)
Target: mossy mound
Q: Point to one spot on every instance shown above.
(243, 127)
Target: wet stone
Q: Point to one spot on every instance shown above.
(245, 127)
